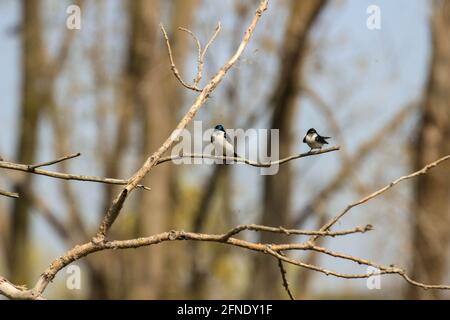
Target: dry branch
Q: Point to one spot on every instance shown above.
(275, 250)
(283, 277)
(422, 171)
(9, 194)
(281, 230)
(200, 58)
(52, 162)
(151, 161)
(59, 175)
(100, 242)
(85, 249)
(247, 161)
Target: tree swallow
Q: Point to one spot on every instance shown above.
(222, 142)
(314, 140)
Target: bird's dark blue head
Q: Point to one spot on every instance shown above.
(311, 131)
(219, 127)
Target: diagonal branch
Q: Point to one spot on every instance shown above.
(422, 171)
(9, 194)
(283, 277)
(201, 60)
(151, 161)
(281, 230)
(52, 162)
(350, 166)
(200, 57)
(12, 291)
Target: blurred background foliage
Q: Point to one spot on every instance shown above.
(107, 91)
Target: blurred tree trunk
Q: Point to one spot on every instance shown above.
(158, 97)
(35, 94)
(144, 18)
(277, 188)
(431, 229)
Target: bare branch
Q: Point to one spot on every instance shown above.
(172, 63)
(319, 269)
(246, 161)
(100, 242)
(12, 291)
(214, 36)
(9, 194)
(63, 176)
(199, 55)
(383, 269)
(422, 171)
(151, 161)
(255, 227)
(283, 277)
(49, 163)
(348, 167)
(203, 54)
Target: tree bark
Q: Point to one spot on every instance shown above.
(431, 229)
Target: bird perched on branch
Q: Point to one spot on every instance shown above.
(222, 142)
(314, 140)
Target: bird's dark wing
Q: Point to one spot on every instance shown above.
(304, 139)
(227, 137)
(212, 138)
(322, 139)
(230, 141)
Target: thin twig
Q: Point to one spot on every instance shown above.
(9, 194)
(283, 277)
(247, 161)
(203, 54)
(64, 176)
(49, 163)
(323, 270)
(422, 171)
(172, 63)
(67, 176)
(281, 230)
(214, 36)
(199, 55)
